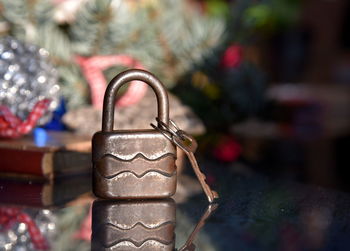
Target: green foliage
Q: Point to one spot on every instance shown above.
(168, 37)
(231, 93)
(250, 20)
(218, 7)
(237, 93)
(271, 14)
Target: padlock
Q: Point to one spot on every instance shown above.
(133, 225)
(133, 164)
(147, 225)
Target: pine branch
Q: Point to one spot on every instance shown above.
(168, 37)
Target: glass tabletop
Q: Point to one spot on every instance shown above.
(254, 213)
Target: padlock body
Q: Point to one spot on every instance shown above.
(133, 164)
(146, 225)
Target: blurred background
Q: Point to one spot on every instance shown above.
(263, 85)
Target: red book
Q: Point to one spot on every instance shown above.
(57, 154)
(42, 194)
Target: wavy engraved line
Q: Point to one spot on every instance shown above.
(137, 244)
(126, 173)
(131, 245)
(141, 224)
(121, 173)
(139, 155)
(154, 244)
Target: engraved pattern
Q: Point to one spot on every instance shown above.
(139, 234)
(125, 145)
(125, 174)
(148, 245)
(133, 164)
(139, 155)
(110, 166)
(128, 185)
(133, 225)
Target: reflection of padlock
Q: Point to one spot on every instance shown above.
(133, 225)
(133, 163)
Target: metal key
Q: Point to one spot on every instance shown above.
(189, 145)
(189, 246)
(190, 150)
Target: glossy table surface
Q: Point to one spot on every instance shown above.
(253, 213)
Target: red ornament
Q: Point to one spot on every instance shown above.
(12, 215)
(93, 67)
(227, 150)
(13, 127)
(232, 57)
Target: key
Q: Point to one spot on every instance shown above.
(189, 145)
(189, 246)
(211, 194)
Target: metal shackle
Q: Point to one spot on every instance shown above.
(125, 77)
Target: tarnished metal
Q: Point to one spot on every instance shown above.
(139, 225)
(189, 145)
(133, 225)
(130, 164)
(189, 246)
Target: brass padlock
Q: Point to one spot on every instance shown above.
(133, 164)
(133, 225)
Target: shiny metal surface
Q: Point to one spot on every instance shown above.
(189, 145)
(130, 164)
(125, 77)
(255, 212)
(133, 225)
(140, 225)
(189, 246)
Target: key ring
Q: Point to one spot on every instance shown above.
(178, 137)
(169, 129)
(189, 145)
(164, 132)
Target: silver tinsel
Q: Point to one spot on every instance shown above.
(26, 76)
(17, 237)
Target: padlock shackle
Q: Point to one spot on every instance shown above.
(125, 77)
